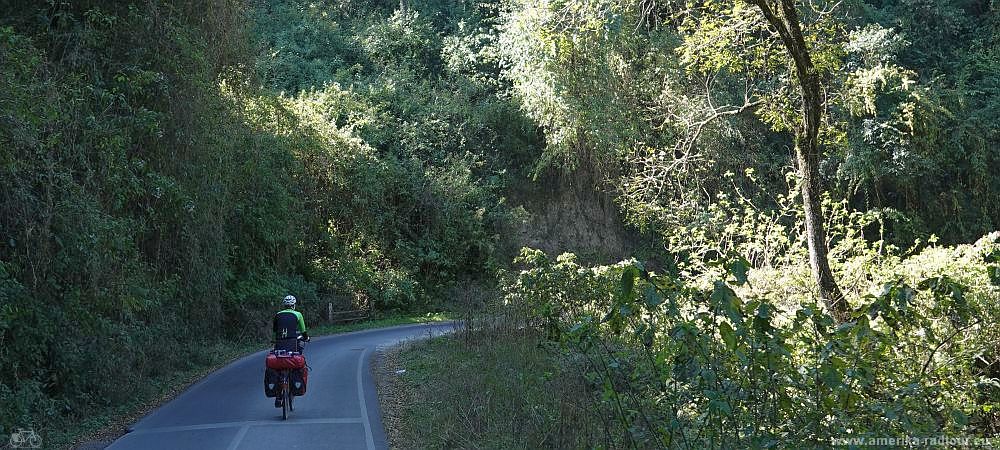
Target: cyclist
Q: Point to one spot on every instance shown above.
(289, 326)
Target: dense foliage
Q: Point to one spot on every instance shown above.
(169, 170)
(691, 109)
(672, 96)
(682, 362)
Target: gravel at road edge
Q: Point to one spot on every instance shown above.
(392, 393)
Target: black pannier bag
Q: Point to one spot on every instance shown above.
(271, 385)
(297, 380)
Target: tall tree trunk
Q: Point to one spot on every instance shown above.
(784, 18)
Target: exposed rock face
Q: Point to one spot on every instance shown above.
(574, 212)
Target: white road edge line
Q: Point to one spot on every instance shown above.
(239, 437)
(248, 423)
(369, 440)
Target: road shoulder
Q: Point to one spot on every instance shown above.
(392, 393)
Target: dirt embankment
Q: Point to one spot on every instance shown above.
(573, 212)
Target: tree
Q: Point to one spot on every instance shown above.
(639, 107)
(784, 18)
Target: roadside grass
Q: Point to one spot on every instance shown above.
(381, 321)
(108, 424)
(488, 389)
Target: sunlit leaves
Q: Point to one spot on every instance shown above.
(729, 37)
(729, 358)
(579, 70)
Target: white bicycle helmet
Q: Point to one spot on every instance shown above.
(289, 301)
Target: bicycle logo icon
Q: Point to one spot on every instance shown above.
(23, 438)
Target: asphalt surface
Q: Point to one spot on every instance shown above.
(228, 410)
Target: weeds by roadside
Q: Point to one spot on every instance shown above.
(488, 389)
(380, 322)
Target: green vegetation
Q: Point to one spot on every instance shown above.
(491, 390)
(810, 191)
(673, 96)
(381, 322)
(167, 177)
(690, 111)
(622, 357)
(725, 360)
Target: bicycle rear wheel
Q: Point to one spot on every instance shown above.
(285, 391)
(284, 405)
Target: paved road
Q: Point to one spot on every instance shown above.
(228, 410)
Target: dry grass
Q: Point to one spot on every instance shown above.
(486, 389)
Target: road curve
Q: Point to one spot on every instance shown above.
(227, 409)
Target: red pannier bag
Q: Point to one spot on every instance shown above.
(285, 361)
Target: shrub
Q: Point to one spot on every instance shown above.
(687, 366)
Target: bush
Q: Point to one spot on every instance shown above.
(686, 366)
